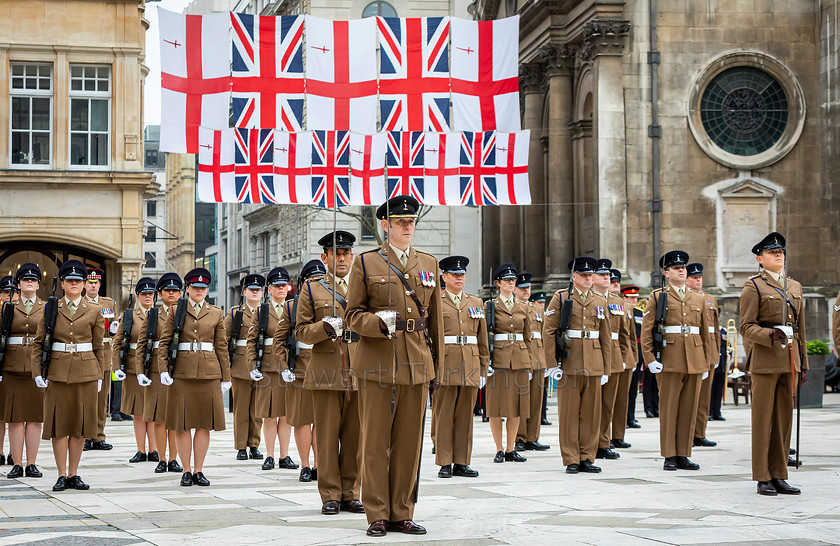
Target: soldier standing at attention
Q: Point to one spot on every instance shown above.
(463, 371)
(684, 359)
(109, 312)
(528, 436)
(630, 295)
(771, 320)
(395, 305)
(627, 339)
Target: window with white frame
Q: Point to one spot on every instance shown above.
(90, 115)
(30, 94)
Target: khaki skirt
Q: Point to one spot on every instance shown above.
(508, 394)
(133, 397)
(154, 400)
(195, 403)
(70, 410)
(271, 401)
(300, 408)
(22, 401)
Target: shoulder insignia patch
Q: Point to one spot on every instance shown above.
(550, 312)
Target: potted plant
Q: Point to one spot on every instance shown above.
(812, 390)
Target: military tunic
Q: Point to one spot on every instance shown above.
(529, 428)
(23, 401)
(705, 400)
(508, 389)
(109, 312)
(619, 381)
(156, 394)
(246, 424)
(625, 378)
(271, 391)
(300, 409)
(133, 396)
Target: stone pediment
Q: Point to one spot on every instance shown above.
(747, 189)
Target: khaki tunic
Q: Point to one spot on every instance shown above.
(110, 313)
(625, 378)
(22, 400)
(508, 389)
(246, 424)
(156, 394)
(616, 390)
(705, 401)
(299, 405)
(271, 391)
(133, 395)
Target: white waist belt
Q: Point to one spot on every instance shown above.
(72, 347)
(711, 329)
(301, 345)
(460, 340)
(614, 336)
(241, 342)
(536, 335)
(20, 340)
(268, 341)
(508, 337)
(155, 345)
(106, 339)
(583, 334)
(196, 346)
(132, 346)
(682, 329)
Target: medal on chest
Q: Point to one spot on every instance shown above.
(599, 312)
(475, 312)
(427, 278)
(108, 312)
(538, 317)
(616, 309)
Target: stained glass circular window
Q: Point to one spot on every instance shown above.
(744, 110)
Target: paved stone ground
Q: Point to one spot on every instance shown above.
(632, 502)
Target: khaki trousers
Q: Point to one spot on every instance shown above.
(703, 403)
(579, 417)
(246, 424)
(608, 395)
(529, 429)
(622, 401)
(337, 437)
(452, 411)
(772, 417)
(678, 396)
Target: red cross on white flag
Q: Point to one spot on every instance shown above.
(512, 187)
(215, 166)
(293, 167)
(442, 168)
(367, 169)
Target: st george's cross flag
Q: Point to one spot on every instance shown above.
(331, 168)
(478, 168)
(195, 77)
(405, 159)
(254, 165)
(414, 73)
(293, 167)
(268, 84)
(215, 166)
(442, 163)
(485, 74)
(512, 186)
(367, 169)
(341, 74)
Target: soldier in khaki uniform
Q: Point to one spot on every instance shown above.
(463, 371)
(528, 435)
(772, 302)
(109, 312)
(835, 324)
(246, 424)
(22, 400)
(627, 340)
(579, 372)
(694, 282)
(394, 363)
(335, 397)
(630, 295)
(73, 374)
(685, 360)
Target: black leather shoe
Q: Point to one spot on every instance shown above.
(792, 462)
(573, 468)
(102, 445)
(88, 445)
(670, 463)
(268, 463)
(703, 442)
(126, 417)
(587, 466)
(464, 471)
(633, 424)
(254, 453)
(2, 459)
(139, 457)
(445, 471)
(621, 444)
(500, 457)
(377, 529)
(330, 507)
(767, 489)
(536, 446)
(33, 472)
(649, 414)
(199, 479)
(76, 483)
(241, 455)
(117, 417)
(545, 422)
(186, 479)
(60, 484)
(519, 445)
(656, 413)
(407, 527)
(791, 451)
(720, 418)
(606, 453)
(485, 419)
(161, 467)
(153, 457)
(684, 463)
(515, 457)
(433, 450)
(354, 506)
(173, 466)
(314, 474)
(15, 472)
(782, 487)
(305, 474)
(287, 462)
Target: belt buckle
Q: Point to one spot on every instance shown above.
(28, 340)
(511, 337)
(585, 334)
(347, 335)
(684, 329)
(461, 340)
(70, 348)
(789, 323)
(195, 346)
(409, 325)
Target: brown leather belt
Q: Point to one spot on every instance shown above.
(350, 336)
(412, 325)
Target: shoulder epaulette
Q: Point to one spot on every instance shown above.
(757, 275)
(375, 249)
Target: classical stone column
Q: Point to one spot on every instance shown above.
(532, 217)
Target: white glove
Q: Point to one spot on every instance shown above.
(256, 375)
(716, 365)
(481, 382)
(41, 382)
(530, 376)
(1, 378)
(143, 381)
(547, 372)
(389, 319)
(337, 325)
(98, 385)
(288, 376)
(555, 373)
(119, 375)
(604, 379)
(655, 366)
(114, 328)
(623, 366)
(166, 379)
(490, 371)
(705, 376)
(225, 386)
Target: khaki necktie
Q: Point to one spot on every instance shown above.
(196, 308)
(681, 293)
(72, 306)
(509, 305)
(458, 301)
(342, 286)
(403, 259)
(28, 306)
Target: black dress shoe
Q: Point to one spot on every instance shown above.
(620, 444)
(485, 419)
(305, 474)
(153, 457)
(76, 483)
(139, 457)
(536, 446)
(241, 455)
(720, 418)
(791, 451)
(287, 462)
(606, 453)
(88, 445)
(684, 463)
(633, 424)
(519, 445)
(354, 506)
(445, 471)
(407, 527)
(102, 445)
(433, 450)
(767, 489)
(199, 479)
(268, 463)
(670, 463)
(33, 472)
(254, 453)
(161, 467)
(15, 472)
(117, 417)
(500, 457)
(703, 442)
(2, 459)
(587, 466)
(330, 507)
(782, 487)
(126, 417)
(515, 457)
(464, 471)
(60, 484)
(649, 414)
(377, 529)
(186, 479)
(792, 462)
(545, 422)
(173, 466)
(314, 474)
(656, 413)
(573, 468)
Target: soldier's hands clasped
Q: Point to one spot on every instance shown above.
(555, 373)
(41, 382)
(166, 379)
(655, 366)
(288, 376)
(256, 375)
(225, 386)
(119, 375)
(143, 381)
(604, 379)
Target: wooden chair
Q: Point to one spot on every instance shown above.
(741, 386)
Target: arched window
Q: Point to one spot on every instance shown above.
(383, 9)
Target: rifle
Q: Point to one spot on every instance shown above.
(235, 327)
(659, 322)
(151, 330)
(561, 342)
(177, 327)
(262, 326)
(291, 340)
(490, 317)
(127, 322)
(8, 314)
(50, 316)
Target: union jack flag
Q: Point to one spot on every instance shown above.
(414, 73)
(268, 84)
(478, 168)
(254, 166)
(405, 160)
(331, 168)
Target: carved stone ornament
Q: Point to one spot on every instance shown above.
(531, 78)
(558, 58)
(604, 37)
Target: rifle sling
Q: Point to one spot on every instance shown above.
(333, 293)
(408, 288)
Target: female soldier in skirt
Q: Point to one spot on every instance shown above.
(73, 376)
(23, 408)
(507, 385)
(199, 377)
